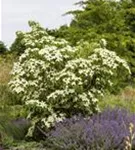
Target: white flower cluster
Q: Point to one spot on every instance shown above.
(52, 81)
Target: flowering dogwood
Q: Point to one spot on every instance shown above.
(53, 83)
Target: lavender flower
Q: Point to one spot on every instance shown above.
(104, 131)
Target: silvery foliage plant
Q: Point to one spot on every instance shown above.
(53, 83)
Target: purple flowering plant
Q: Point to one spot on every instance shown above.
(104, 131)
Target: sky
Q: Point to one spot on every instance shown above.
(16, 13)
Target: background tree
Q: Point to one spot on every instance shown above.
(17, 46)
(3, 47)
(111, 20)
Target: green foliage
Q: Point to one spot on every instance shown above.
(3, 48)
(55, 80)
(111, 20)
(96, 18)
(27, 146)
(10, 107)
(130, 16)
(9, 111)
(10, 130)
(17, 47)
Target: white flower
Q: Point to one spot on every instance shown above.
(49, 78)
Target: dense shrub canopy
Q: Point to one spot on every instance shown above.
(55, 83)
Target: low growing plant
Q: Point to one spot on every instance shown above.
(113, 129)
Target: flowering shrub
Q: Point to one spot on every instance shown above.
(54, 83)
(107, 131)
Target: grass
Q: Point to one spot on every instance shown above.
(6, 97)
(6, 64)
(125, 99)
